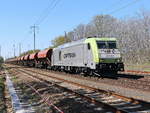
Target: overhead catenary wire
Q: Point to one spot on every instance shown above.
(109, 8)
(43, 16)
(125, 6)
(53, 3)
(46, 14)
(47, 11)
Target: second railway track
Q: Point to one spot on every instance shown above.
(129, 81)
(106, 99)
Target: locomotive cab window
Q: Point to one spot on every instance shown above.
(88, 45)
(106, 44)
(112, 45)
(101, 45)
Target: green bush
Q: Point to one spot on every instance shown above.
(1, 61)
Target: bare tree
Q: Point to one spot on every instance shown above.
(133, 34)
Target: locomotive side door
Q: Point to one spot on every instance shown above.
(87, 55)
(85, 61)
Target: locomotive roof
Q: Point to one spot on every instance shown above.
(83, 41)
(71, 43)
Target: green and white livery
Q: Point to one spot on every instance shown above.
(90, 55)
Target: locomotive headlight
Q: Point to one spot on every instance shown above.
(118, 60)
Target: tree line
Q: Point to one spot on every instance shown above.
(133, 34)
(29, 52)
(1, 61)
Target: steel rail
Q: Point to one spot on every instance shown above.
(92, 100)
(44, 98)
(138, 72)
(134, 101)
(103, 91)
(90, 88)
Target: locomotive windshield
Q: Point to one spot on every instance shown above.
(106, 44)
(112, 45)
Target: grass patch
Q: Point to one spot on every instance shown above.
(2, 79)
(138, 67)
(2, 96)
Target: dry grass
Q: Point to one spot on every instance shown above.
(2, 96)
(138, 67)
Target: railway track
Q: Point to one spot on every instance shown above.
(141, 83)
(137, 72)
(128, 81)
(37, 93)
(88, 98)
(106, 99)
(45, 99)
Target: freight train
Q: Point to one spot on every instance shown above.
(90, 56)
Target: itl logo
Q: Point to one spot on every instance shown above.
(69, 55)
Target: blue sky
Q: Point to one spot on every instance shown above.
(18, 15)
